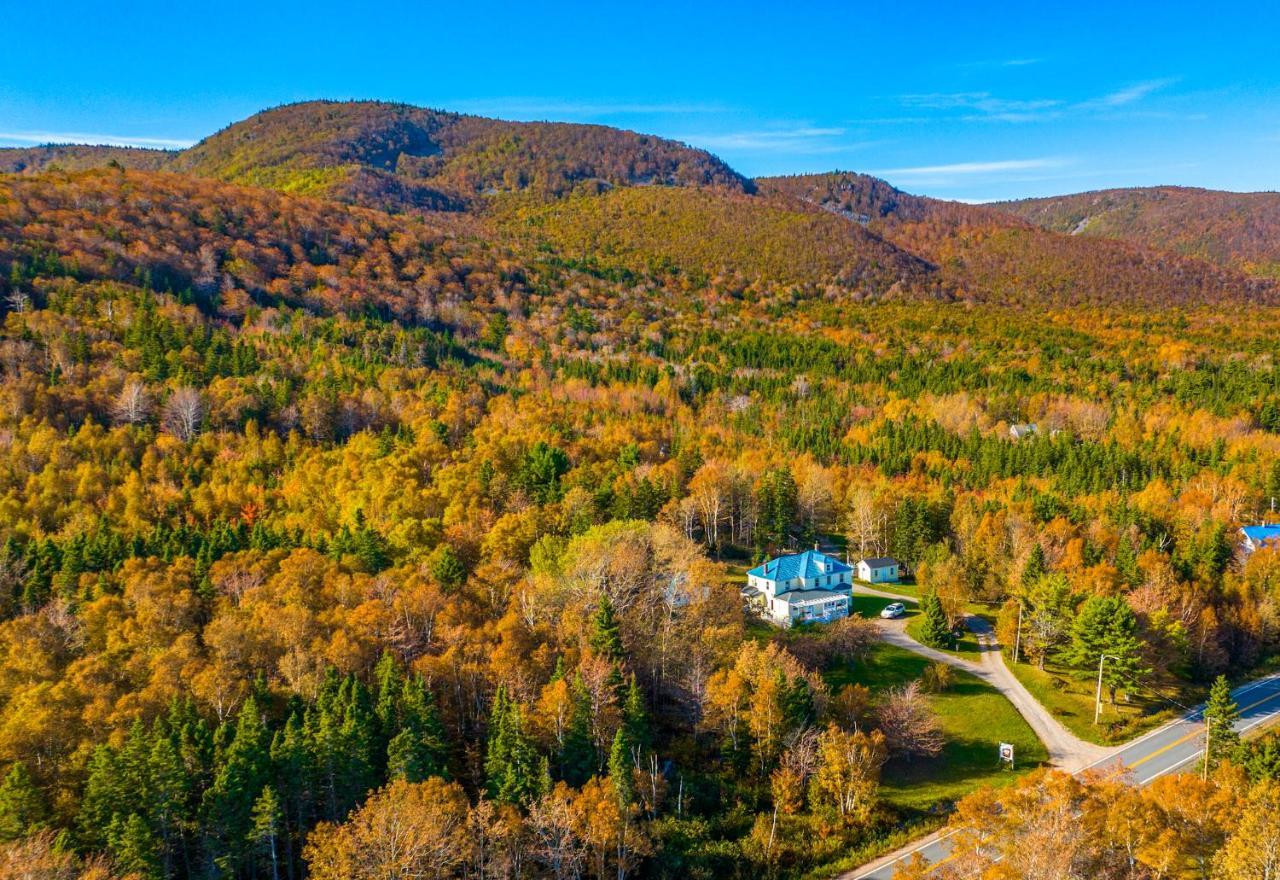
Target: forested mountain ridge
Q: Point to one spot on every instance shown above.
(888, 243)
(78, 157)
(987, 254)
(398, 157)
(1240, 230)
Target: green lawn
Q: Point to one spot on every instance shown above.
(902, 588)
(1071, 700)
(975, 719)
(871, 606)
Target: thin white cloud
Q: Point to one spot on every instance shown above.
(1003, 62)
(999, 166)
(807, 140)
(554, 107)
(101, 140)
(1128, 95)
(986, 107)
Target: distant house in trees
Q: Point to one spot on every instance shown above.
(800, 588)
(1256, 537)
(879, 570)
(1017, 432)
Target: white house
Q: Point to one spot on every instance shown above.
(880, 570)
(1256, 537)
(801, 587)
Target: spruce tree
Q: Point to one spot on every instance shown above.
(578, 760)
(620, 767)
(635, 717)
(264, 832)
(935, 631)
(1220, 715)
(1034, 568)
(228, 804)
(418, 748)
(169, 796)
(513, 769)
(103, 797)
(1107, 625)
(606, 635)
(22, 807)
(133, 848)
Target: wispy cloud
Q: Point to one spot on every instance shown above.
(1002, 62)
(999, 166)
(1128, 95)
(799, 140)
(103, 140)
(568, 109)
(987, 107)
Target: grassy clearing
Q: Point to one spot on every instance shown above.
(1071, 700)
(871, 606)
(975, 719)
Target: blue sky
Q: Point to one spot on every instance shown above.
(971, 101)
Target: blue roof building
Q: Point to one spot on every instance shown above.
(800, 587)
(1256, 537)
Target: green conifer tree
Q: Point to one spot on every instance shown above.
(935, 631)
(228, 803)
(1107, 625)
(606, 634)
(635, 716)
(513, 769)
(621, 765)
(22, 807)
(264, 832)
(1220, 715)
(133, 848)
(578, 760)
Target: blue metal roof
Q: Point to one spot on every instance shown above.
(1259, 534)
(809, 564)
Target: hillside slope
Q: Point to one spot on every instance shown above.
(78, 157)
(990, 255)
(1240, 230)
(703, 234)
(395, 155)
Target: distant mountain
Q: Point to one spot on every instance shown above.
(78, 157)
(641, 209)
(396, 156)
(989, 254)
(399, 157)
(1240, 230)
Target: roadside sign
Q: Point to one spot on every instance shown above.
(1006, 753)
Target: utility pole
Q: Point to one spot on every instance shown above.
(1017, 642)
(1208, 734)
(1097, 705)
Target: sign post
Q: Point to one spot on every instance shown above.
(1006, 754)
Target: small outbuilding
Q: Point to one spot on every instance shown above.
(879, 570)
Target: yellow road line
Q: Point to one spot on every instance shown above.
(1138, 763)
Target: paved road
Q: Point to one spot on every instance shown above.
(1162, 751)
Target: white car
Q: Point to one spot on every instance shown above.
(895, 609)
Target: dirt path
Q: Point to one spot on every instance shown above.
(1066, 750)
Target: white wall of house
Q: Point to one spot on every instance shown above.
(887, 574)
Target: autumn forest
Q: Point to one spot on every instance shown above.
(377, 486)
